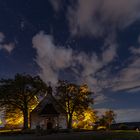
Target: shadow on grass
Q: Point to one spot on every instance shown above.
(65, 135)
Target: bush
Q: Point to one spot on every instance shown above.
(123, 127)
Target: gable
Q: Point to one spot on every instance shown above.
(49, 105)
(49, 109)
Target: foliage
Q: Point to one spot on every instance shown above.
(123, 127)
(19, 92)
(14, 116)
(73, 98)
(85, 120)
(107, 119)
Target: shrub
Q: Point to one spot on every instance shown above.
(123, 127)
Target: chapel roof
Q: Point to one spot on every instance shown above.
(49, 109)
(49, 105)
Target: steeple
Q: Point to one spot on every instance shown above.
(49, 90)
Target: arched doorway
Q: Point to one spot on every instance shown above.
(49, 125)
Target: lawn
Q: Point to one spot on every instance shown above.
(114, 135)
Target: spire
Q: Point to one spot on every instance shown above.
(49, 89)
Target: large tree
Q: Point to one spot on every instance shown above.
(85, 120)
(14, 116)
(73, 98)
(19, 92)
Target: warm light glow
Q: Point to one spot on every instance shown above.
(84, 89)
(86, 120)
(101, 127)
(15, 119)
(9, 130)
(1, 122)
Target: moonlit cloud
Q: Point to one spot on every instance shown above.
(135, 50)
(109, 54)
(97, 17)
(7, 47)
(56, 4)
(105, 17)
(122, 115)
(128, 78)
(100, 98)
(2, 36)
(53, 59)
(134, 90)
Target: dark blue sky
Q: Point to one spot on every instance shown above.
(95, 42)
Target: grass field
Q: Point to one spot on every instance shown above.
(114, 135)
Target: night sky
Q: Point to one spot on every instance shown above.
(83, 41)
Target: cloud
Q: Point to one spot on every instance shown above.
(8, 47)
(134, 90)
(2, 36)
(109, 54)
(100, 98)
(98, 17)
(122, 114)
(53, 59)
(128, 78)
(5, 46)
(56, 4)
(135, 50)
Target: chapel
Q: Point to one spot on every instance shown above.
(48, 114)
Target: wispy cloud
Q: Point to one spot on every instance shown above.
(56, 4)
(128, 78)
(100, 98)
(53, 59)
(95, 70)
(8, 47)
(2, 36)
(96, 17)
(5, 46)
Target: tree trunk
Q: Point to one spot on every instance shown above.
(109, 126)
(69, 125)
(25, 119)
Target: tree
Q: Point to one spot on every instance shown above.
(85, 120)
(110, 117)
(14, 116)
(73, 98)
(107, 119)
(19, 92)
(101, 123)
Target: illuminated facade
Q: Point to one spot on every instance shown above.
(48, 114)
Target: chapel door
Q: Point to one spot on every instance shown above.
(49, 125)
